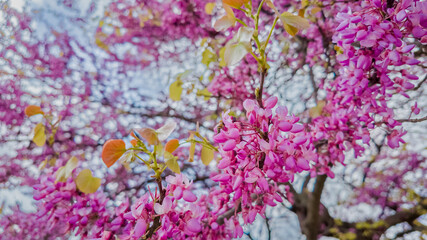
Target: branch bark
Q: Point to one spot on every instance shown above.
(312, 222)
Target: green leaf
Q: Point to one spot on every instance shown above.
(87, 183)
(171, 162)
(39, 135)
(64, 172)
(175, 90)
(207, 155)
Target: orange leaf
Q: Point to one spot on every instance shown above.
(133, 142)
(32, 110)
(172, 145)
(133, 135)
(112, 150)
(148, 134)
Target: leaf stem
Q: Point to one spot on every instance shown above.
(271, 32)
(147, 163)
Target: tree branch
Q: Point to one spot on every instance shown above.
(312, 220)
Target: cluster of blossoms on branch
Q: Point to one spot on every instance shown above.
(61, 204)
(260, 152)
(372, 44)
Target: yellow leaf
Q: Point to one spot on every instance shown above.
(172, 163)
(101, 44)
(221, 55)
(315, 10)
(202, 43)
(192, 148)
(235, 3)
(117, 32)
(338, 50)
(209, 7)
(143, 19)
(205, 93)
(39, 135)
(64, 172)
(32, 110)
(86, 183)
(317, 110)
(207, 155)
(208, 57)
(43, 164)
(301, 12)
(404, 147)
(304, 3)
(52, 161)
(293, 23)
(175, 90)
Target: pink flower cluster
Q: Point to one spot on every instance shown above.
(374, 43)
(26, 226)
(144, 26)
(181, 215)
(260, 153)
(61, 203)
(370, 72)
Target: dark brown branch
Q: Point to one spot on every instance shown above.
(232, 211)
(261, 87)
(313, 84)
(419, 84)
(267, 224)
(227, 215)
(415, 120)
(370, 229)
(312, 220)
